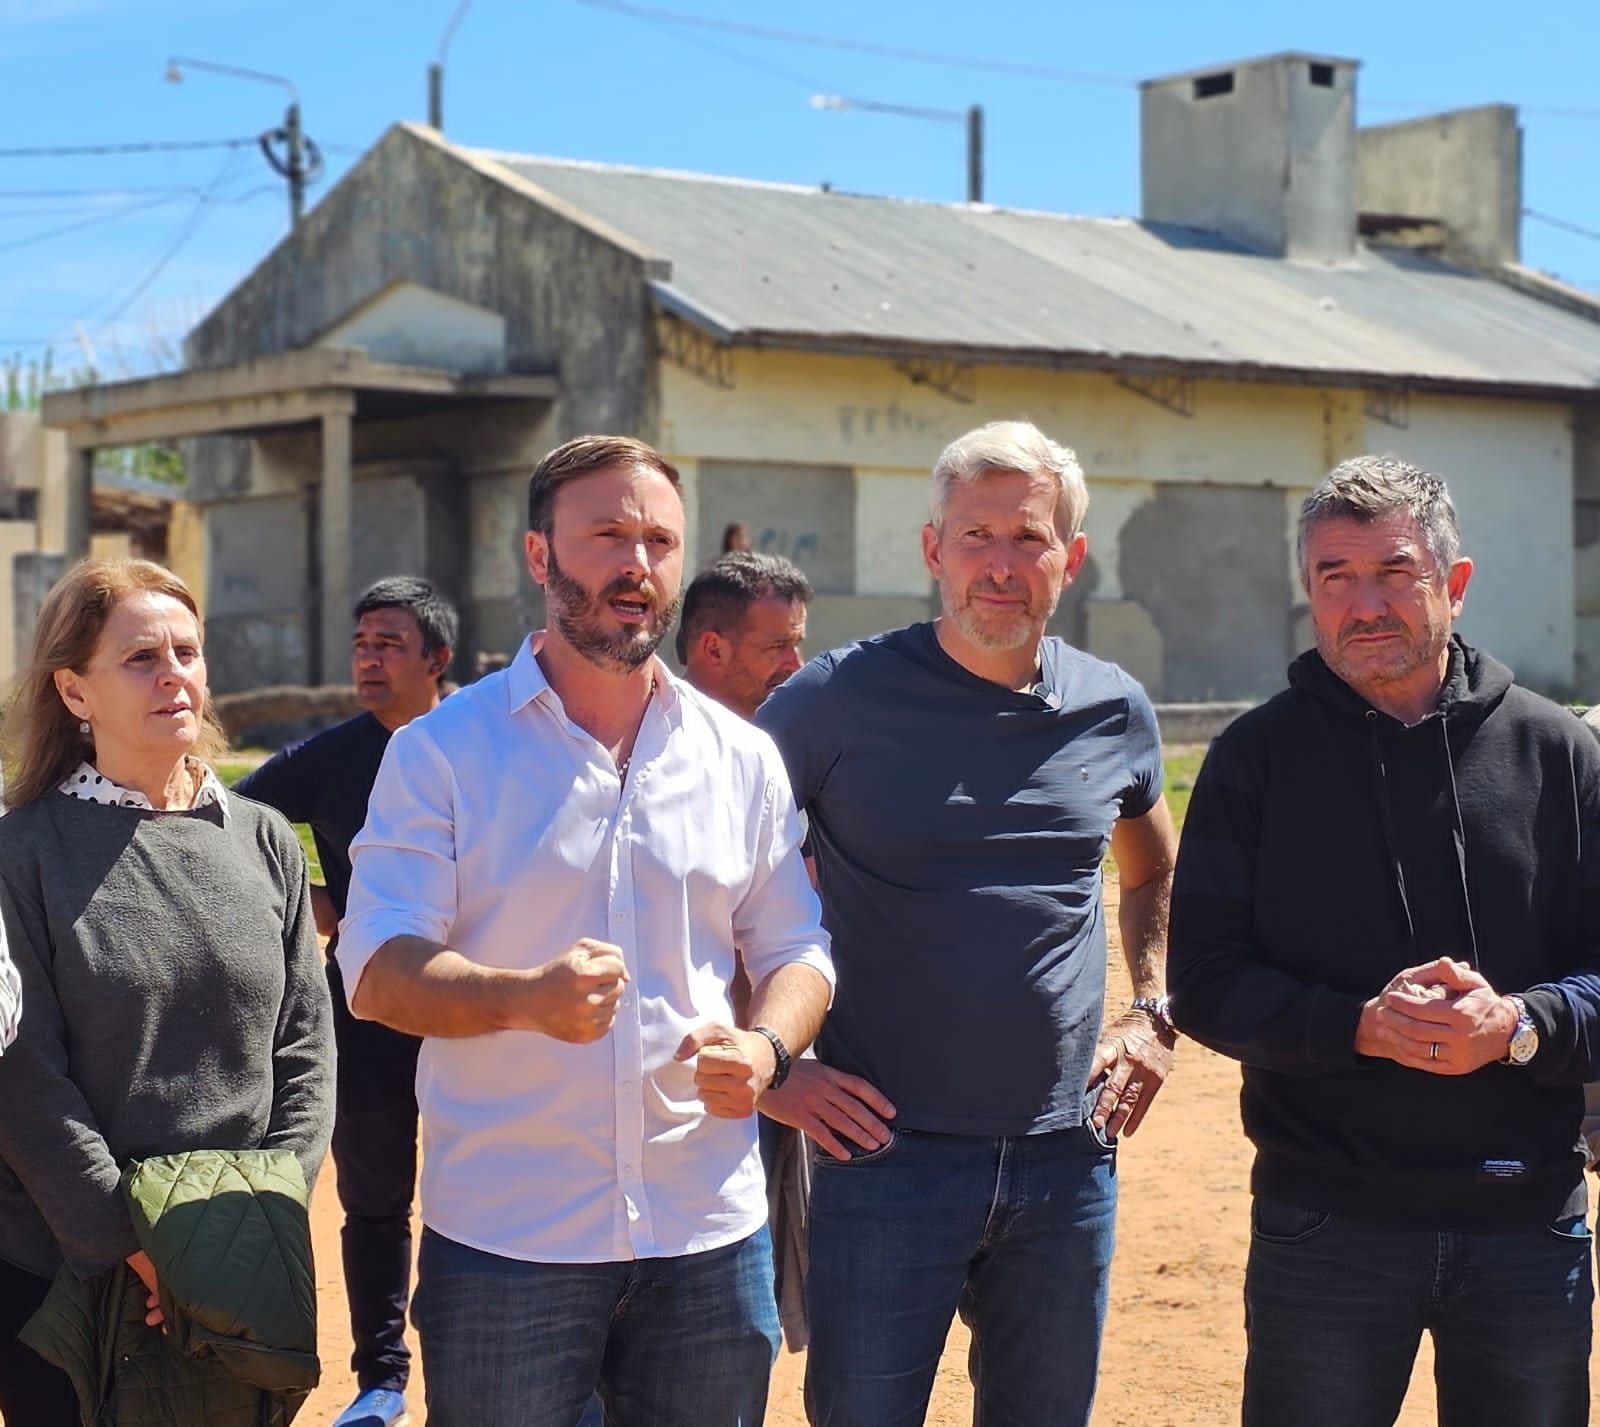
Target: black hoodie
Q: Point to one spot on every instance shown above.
(1328, 847)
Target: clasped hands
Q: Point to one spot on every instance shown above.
(1442, 1017)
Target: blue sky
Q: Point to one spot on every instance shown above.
(116, 256)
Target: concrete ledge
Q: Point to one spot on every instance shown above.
(279, 714)
(1196, 723)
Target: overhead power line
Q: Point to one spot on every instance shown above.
(7, 194)
(180, 239)
(146, 146)
(1023, 68)
(1563, 224)
(871, 47)
(89, 222)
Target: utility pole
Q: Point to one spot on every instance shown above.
(295, 168)
(972, 117)
(300, 160)
(975, 153)
(436, 69)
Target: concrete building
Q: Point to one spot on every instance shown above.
(124, 518)
(372, 396)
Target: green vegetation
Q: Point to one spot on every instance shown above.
(231, 770)
(23, 385)
(1182, 766)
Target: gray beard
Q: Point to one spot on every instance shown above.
(1025, 629)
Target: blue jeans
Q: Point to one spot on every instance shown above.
(669, 1342)
(1335, 1309)
(1015, 1233)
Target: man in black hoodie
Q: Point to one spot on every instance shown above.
(1387, 906)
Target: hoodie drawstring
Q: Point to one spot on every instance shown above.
(1458, 832)
(1458, 835)
(1386, 817)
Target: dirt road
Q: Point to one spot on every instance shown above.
(1174, 1343)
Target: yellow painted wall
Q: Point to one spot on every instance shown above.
(15, 537)
(111, 545)
(861, 412)
(1508, 463)
(186, 548)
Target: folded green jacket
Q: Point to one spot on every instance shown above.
(229, 1233)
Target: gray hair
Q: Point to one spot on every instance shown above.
(1013, 446)
(1369, 488)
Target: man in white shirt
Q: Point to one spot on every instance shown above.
(10, 995)
(556, 868)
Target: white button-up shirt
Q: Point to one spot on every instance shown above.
(500, 829)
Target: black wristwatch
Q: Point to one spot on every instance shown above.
(780, 1051)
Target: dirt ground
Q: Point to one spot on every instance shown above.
(1174, 1341)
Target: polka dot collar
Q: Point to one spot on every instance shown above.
(91, 786)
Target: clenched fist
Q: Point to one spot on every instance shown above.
(732, 1068)
(574, 997)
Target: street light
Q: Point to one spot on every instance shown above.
(301, 160)
(436, 69)
(972, 117)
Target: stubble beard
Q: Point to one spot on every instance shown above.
(1001, 633)
(1416, 652)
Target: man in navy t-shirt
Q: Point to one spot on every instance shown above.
(405, 638)
(964, 781)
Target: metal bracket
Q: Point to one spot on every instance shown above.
(956, 380)
(1390, 405)
(1172, 393)
(699, 354)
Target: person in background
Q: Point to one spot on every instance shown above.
(173, 989)
(402, 645)
(739, 637)
(743, 622)
(735, 537)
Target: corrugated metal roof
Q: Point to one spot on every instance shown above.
(769, 263)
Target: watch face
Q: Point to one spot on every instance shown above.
(1524, 1044)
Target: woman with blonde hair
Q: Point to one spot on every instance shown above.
(173, 991)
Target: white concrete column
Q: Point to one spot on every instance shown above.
(333, 546)
(79, 503)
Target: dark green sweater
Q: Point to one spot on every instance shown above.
(174, 998)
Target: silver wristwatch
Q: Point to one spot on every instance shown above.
(1159, 1009)
(1524, 1039)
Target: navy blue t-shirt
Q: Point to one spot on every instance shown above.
(958, 829)
(325, 781)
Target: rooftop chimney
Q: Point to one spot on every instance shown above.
(1263, 152)
(1462, 170)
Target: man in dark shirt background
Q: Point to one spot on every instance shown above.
(405, 637)
(743, 622)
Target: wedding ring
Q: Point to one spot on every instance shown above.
(1433, 1050)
